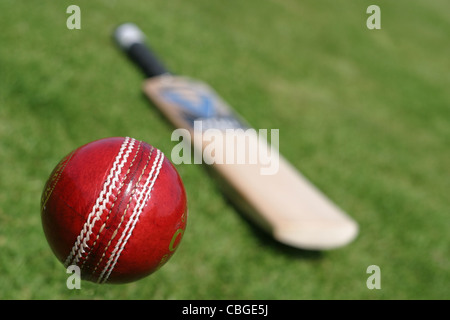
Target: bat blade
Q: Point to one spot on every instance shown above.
(284, 204)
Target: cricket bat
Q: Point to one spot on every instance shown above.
(283, 203)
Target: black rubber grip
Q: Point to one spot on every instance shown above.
(146, 60)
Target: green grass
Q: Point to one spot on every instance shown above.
(364, 114)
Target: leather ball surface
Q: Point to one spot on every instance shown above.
(116, 208)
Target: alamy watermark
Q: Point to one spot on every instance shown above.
(227, 146)
(74, 280)
(74, 20)
(374, 280)
(374, 20)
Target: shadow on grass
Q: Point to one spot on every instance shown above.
(269, 242)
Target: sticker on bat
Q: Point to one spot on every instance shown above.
(195, 103)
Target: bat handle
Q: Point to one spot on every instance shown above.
(132, 41)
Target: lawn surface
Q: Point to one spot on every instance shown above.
(364, 114)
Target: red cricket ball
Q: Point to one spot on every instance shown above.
(116, 208)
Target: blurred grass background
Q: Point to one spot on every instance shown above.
(365, 114)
